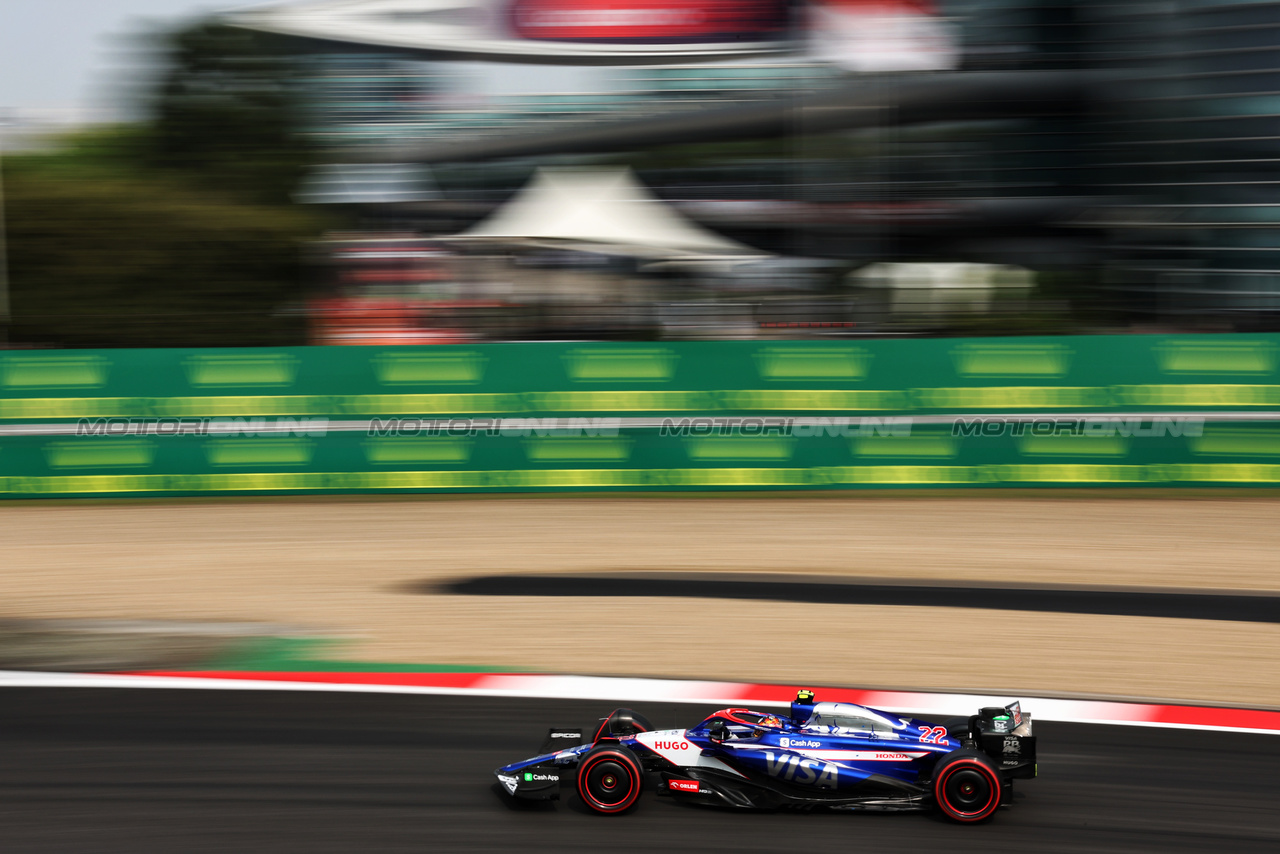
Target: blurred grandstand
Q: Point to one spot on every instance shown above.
(1142, 203)
(898, 162)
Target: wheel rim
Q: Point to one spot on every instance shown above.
(608, 783)
(968, 791)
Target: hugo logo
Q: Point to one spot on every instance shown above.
(672, 745)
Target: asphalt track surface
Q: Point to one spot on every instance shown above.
(259, 771)
(1188, 604)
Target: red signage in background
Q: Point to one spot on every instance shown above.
(881, 35)
(650, 21)
(918, 7)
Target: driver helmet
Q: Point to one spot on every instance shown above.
(771, 721)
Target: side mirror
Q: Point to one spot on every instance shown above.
(717, 732)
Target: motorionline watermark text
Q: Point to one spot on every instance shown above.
(840, 427)
(202, 426)
(516, 427)
(803, 427)
(1106, 425)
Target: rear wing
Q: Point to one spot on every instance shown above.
(1004, 734)
(1009, 719)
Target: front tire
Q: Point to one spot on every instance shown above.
(609, 779)
(967, 786)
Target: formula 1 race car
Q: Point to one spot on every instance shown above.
(832, 755)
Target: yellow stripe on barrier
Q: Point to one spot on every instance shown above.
(1012, 397)
(688, 478)
(1000, 398)
(1200, 394)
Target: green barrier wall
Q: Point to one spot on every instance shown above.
(1231, 378)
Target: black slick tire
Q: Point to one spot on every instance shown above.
(609, 779)
(967, 786)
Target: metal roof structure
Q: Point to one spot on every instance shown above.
(562, 32)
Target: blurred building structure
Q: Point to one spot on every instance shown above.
(381, 99)
(1193, 152)
(1146, 203)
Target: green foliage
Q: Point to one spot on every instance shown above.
(177, 231)
(226, 113)
(118, 260)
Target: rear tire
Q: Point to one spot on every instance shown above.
(609, 779)
(967, 786)
(957, 728)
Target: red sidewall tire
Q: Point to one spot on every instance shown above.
(974, 771)
(609, 780)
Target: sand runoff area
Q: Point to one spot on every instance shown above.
(341, 566)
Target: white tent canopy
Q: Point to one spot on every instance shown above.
(603, 210)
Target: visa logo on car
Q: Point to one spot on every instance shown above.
(795, 769)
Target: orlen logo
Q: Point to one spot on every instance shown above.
(685, 785)
(671, 745)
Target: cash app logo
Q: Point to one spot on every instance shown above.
(631, 364)
(1194, 356)
(76, 371)
(259, 370)
(813, 363)
(1011, 360)
(448, 367)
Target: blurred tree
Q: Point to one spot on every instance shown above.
(121, 260)
(178, 231)
(226, 112)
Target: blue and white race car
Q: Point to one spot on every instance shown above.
(832, 755)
